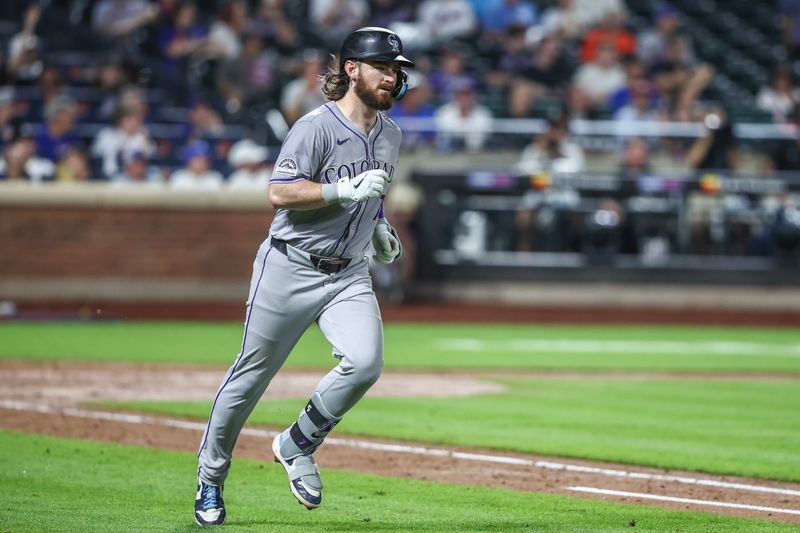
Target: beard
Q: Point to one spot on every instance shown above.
(372, 97)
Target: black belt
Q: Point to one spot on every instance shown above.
(328, 265)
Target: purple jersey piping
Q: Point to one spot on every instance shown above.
(286, 180)
(355, 232)
(241, 353)
(347, 227)
(380, 118)
(380, 214)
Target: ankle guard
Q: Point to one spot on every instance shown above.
(310, 429)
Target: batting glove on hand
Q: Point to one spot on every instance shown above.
(369, 184)
(386, 243)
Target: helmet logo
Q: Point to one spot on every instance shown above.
(394, 42)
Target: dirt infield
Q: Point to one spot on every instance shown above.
(45, 398)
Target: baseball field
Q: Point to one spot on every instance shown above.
(471, 428)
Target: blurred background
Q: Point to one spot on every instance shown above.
(588, 157)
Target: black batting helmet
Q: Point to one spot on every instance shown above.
(377, 44)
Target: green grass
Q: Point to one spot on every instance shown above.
(724, 427)
(428, 346)
(63, 485)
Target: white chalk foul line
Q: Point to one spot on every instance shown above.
(400, 448)
(658, 497)
(593, 346)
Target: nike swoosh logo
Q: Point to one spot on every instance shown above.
(357, 185)
(342, 141)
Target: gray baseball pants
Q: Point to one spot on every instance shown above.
(286, 295)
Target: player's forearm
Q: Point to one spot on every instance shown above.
(304, 195)
(300, 196)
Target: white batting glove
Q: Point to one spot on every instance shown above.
(386, 243)
(369, 184)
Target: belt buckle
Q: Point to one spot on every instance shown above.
(327, 264)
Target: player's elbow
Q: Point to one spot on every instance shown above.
(277, 197)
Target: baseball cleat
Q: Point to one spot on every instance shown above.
(209, 509)
(304, 480)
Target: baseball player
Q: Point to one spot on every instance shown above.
(328, 185)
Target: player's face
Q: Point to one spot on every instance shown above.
(375, 83)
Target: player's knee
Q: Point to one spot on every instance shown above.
(368, 372)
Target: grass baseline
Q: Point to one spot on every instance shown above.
(425, 346)
(76, 485)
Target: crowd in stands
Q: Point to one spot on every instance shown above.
(191, 93)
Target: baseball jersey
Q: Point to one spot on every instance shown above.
(324, 146)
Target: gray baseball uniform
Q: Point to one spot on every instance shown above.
(294, 284)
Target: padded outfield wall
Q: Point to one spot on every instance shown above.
(154, 253)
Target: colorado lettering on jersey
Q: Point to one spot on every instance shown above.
(354, 168)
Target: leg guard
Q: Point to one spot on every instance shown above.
(310, 429)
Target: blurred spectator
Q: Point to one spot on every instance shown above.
(73, 167)
(127, 134)
(10, 123)
(612, 32)
(226, 31)
(304, 93)
(653, 42)
(108, 79)
(784, 154)
(678, 50)
(274, 23)
(20, 163)
(50, 83)
(516, 55)
(591, 12)
(57, 137)
(547, 221)
(716, 149)
(415, 104)
(635, 159)
(249, 161)
(669, 80)
(680, 87)
(552, 151)
(641, 108)
(119, 19)
(451, 69)
(135, 169)
(780, 97)
(249, 79)
(634, 73)
(196, 173)
(444, 20)
(559, 20)
(183, 47)
(24, 63)
(596, 81)
(334, 19)
(463, 122)
(497, 15)
(388, 12)
(790, 23)
(133, 97)
(688, 102)
(204, 121)
(545, 75)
